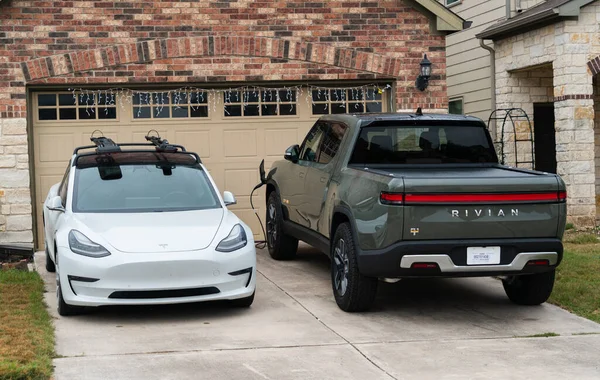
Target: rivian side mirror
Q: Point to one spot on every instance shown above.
(291, 153)
(56, 204)
(228, 198)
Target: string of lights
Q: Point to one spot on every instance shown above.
(195, 97)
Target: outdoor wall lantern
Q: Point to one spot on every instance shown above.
(423, 78)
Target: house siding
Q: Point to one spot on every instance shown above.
(468, 64)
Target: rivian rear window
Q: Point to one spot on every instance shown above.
(151, 187)
(423, 145)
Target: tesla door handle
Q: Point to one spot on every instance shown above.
(301, 175)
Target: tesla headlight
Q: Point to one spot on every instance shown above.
(80, 244)
(234, 241)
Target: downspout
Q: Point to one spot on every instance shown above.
(508, 9)
(492, 75)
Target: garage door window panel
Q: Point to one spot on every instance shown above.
(255, 103)
(170, 105)
(340, 101)
(69, 107)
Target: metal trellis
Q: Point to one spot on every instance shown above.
(513, 115)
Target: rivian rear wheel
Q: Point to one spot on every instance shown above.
(281, 246)
(530, 289)
(352, 290)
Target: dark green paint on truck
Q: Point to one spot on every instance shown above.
(424, 162)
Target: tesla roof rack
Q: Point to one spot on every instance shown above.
(106, 146)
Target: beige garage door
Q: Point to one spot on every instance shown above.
(231, 131)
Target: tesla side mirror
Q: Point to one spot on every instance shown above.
(291, 153)
(228, 198)
(56, 204)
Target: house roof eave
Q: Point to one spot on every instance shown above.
(535, 17)
(446, 20)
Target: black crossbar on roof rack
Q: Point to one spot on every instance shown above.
(179, 147)
(104, 146)
(107, 159)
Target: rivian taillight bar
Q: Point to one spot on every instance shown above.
(391, 198)
(400, 198)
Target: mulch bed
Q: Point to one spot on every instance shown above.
(15, 257)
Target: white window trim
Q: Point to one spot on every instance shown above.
(452, 4)
(462, 102)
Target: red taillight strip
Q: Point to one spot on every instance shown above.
(392, 198)
(562, 195)
(397, 198)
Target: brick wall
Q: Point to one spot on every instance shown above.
(92, 43)
(279, 40)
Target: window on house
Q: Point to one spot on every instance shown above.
(69, 106)
(455, 106)
(335, 101)
(173, 105)
(450, 3)
(274, 102)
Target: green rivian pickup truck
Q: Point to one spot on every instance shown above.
(391, 196)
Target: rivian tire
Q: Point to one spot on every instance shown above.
(352, 291)
(281, 246)
(531, 289)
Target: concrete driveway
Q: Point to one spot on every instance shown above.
(435, 329)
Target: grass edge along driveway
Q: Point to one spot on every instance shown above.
(26, 330)
(577, 287)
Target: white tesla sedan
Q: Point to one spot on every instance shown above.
(135, 224)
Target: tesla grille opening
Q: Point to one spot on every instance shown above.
(177, 293)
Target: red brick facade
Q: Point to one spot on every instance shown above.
(85, 43)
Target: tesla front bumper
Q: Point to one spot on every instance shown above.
(157, 278)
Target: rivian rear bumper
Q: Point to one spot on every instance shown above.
(448, 258)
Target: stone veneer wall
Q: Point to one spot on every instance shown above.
(521, 90)
(597, 140)
(15, 198)
(568, 46)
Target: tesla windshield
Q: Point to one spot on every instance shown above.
(142, 187)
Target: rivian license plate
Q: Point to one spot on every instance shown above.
(483, 255)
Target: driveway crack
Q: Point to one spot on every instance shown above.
(329, 328)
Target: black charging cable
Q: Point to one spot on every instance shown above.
(260, 244)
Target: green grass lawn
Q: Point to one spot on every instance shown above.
(26, 331)
(577, 286)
